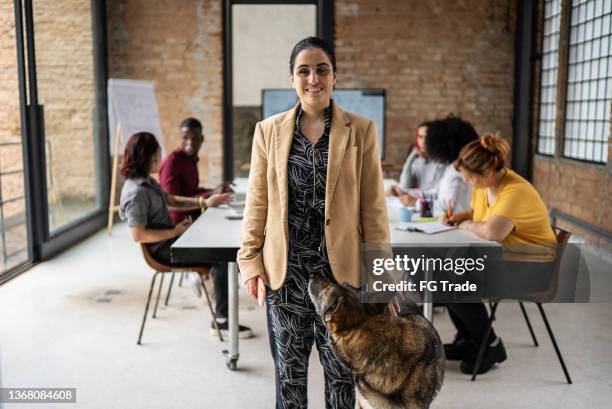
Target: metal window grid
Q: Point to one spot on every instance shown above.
(11, 254)
(548, 78)
(589, 83)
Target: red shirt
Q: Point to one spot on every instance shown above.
(178, 175)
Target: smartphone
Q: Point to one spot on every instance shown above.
(227, 187)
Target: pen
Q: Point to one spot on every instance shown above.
(410, 229)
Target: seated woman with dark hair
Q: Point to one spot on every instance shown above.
(144, 204)
(505, 208)
(442, 143)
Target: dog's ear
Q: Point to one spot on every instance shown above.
(341, 316)
(332, 309)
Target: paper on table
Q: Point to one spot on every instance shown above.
(426, 227)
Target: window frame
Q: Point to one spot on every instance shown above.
(565, 85)
(540, 79)
(41, 243)
(562, 89)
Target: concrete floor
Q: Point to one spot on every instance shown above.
(73, 322)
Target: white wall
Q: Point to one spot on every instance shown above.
(263, 37)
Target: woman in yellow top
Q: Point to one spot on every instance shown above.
(505, 208)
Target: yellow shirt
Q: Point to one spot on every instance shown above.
(518, 201)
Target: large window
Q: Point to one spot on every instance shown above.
(548, 82)
(589, 82)
(586, 83)
(64, 50)
(54, 159)
(13, 228)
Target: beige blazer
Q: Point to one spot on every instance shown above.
(355, 207)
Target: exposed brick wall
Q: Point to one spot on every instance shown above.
(64, 67)
(10, 127)
(432, 57)
(178, 46)
(65, 80)
(580, 189)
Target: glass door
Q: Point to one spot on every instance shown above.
(13, 224)
(54, 156)
(263, 36)
(258, 37)
(66, 91)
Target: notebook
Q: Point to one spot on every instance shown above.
(426, 227)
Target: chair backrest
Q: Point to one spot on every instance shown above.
(562, 235)
(166, 268)
(550, 293)
(154, 264)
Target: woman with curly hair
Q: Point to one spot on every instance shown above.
(441, 144)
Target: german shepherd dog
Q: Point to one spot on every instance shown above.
(397, 362)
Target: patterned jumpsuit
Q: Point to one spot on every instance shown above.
(293, 323)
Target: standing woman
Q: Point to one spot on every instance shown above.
(315, 194)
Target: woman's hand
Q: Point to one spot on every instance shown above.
(182, 226)
(256, 287)
(407, 200)
(219, 199)
(453, 220)
(456, 218)
(395, 191)
(393, 307)
(251, 286)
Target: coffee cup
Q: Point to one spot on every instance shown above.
(405, 213)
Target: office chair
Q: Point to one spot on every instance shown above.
(543, 296)
(162, 269)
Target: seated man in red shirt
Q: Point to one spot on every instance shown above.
(178, 175)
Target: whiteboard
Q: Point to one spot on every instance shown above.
(365, 102)
(132, 104)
